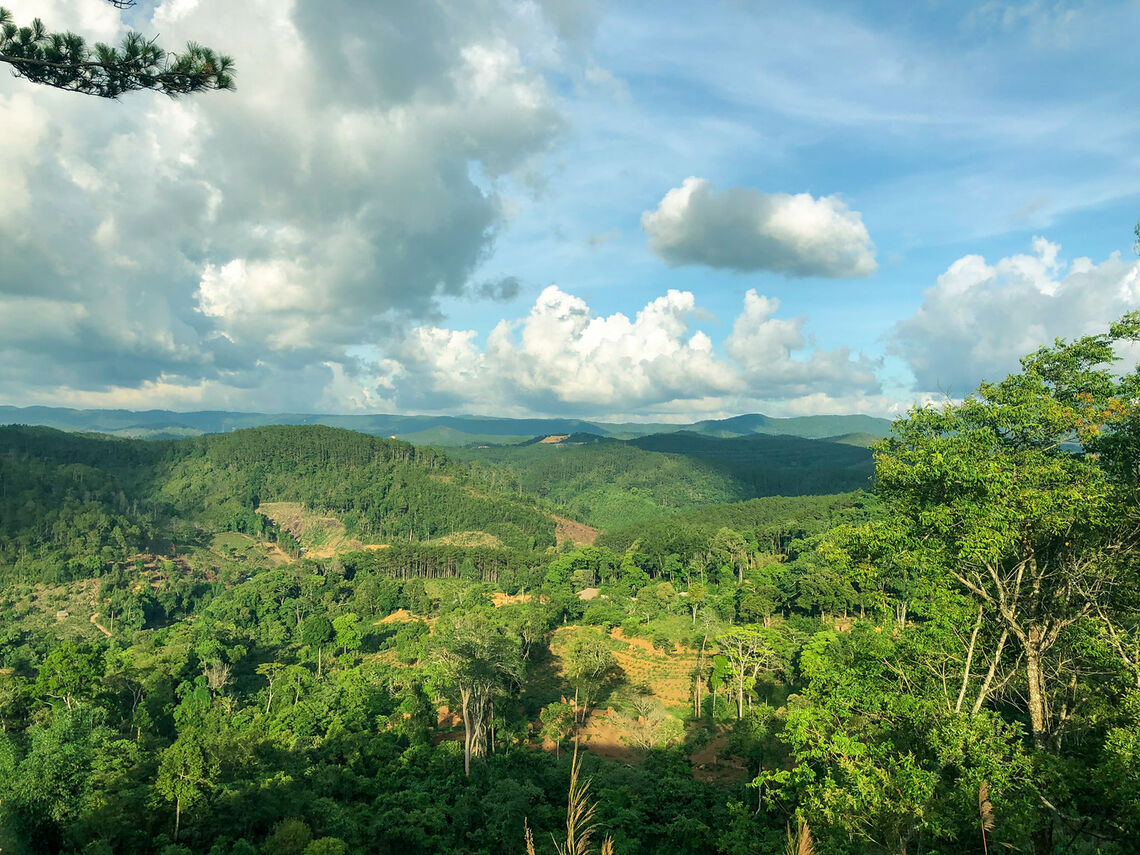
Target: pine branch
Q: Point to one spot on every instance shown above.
(65, 61)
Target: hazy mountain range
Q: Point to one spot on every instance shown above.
(434, 430)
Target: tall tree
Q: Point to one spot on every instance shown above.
(184, 774)
(65, 61)
(749, 649)
(317, 631)
(70, 673)
(480, 662)
(1025, 494)
(588, 663)
(348, 632)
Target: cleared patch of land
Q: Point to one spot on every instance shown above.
(577, 533)
(322, 536)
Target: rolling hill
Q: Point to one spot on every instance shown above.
(72, 502)
(424, 430)
(611, 483)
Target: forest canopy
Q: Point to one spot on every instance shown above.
(948, 661)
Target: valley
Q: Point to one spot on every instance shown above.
(307, 639)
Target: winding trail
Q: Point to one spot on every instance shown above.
(99, 626)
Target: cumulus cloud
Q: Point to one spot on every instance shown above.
(978, 319)
(231, 239)
(562, 357)
(763, 345)
(744, 230)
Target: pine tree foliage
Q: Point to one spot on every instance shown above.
(65, 61)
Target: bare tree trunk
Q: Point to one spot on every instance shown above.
(1036, 687)
(700, 676)
(984, 692)
(465, 699)
(969, 661)
(740, 695)
(177, 816)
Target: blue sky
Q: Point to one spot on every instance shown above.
(915, 186)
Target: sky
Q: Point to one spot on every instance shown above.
(656, 211)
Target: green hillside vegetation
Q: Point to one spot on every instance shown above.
(610, 483)
(449, 437)
(862, 440)
(946, 665)
(769, 524)
(378, 488)
(70, 504)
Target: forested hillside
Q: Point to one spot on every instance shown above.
(946, 664)
(610, 483)
(71, 504)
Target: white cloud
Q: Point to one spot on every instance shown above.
(25, 125)
(231, 237)
(979, 319)
(764, 345)
(563, 357)
(745, 230)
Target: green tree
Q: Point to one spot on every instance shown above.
(348, 632)
(65, 61)
(327, 846)
(291, 837)
(1013, 492)
(557, 721)
(748, 649)
(481, 663)
(316, 632)
(697, 594)
(588, 663)
(70, 673)
(184, 774)
(49, 788)
(1025, 494)
(729, 550)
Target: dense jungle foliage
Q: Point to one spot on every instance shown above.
(949, 664)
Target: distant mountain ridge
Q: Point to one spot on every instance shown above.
(427, 430)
